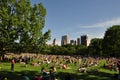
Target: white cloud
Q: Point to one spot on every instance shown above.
(104, 24)
(92, 34)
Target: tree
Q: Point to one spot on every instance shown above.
(7, 26)
(55, 50)
(81, 50)
(111, 41)
(23, 24)
(95, 47)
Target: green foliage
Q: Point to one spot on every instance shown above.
(21, 26)
(68, 50)
(55, 50)
(111, 41)
(81, 50)
(95, 47)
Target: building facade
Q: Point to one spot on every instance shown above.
(73, 42)
(55, 42)
(65, 40)
(78, 41)
(85, 40)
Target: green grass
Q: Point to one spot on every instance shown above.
(31, 71)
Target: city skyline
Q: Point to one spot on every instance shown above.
(65, 39)
(79, 17)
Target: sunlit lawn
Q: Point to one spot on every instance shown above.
(31, 71)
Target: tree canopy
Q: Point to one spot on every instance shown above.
(95, 47)
(111, 41)
(21, 26)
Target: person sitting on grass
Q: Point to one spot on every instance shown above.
(65, 66)
(25, 77)
(4, 78)
(44, 72)
(82, 69)
(60, 65)
(38, 77)
(53, 69)
(52, 75)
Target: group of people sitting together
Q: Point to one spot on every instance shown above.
(112, 64)
(82, 64)
(44, 75)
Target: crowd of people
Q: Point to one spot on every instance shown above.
(83, 64)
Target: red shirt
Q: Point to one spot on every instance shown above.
(13, 61)
(38, 78)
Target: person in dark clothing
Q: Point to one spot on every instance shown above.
(4, 78)
(38, 77)
(68, 77)
(52, 75)
(24, 77)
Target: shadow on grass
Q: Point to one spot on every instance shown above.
(60, 75)
(17, 75)
(85, 76)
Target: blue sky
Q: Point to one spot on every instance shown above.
(79, 17)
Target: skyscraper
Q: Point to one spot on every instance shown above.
(85, 40)
(65, 40)
(78, 41)
(73, 42)
(55, 42)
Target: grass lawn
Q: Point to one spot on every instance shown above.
(31, 71)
